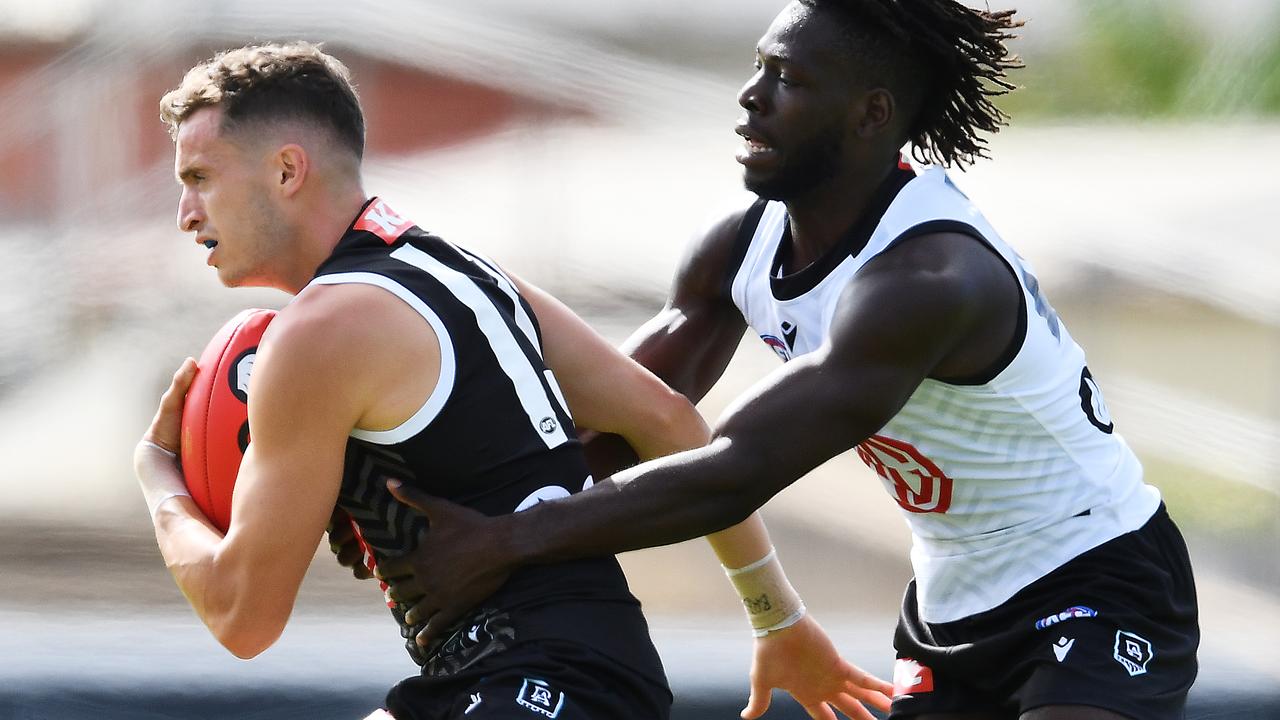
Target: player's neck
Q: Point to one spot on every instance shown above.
(322, 229)
(823, 216)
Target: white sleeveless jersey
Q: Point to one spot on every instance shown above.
(1002, 480)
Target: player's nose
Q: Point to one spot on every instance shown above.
(190, 213)
(750, 96)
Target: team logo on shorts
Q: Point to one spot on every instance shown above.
(1076, 611)
(539, 697)
(1133, 652)
(911, 678)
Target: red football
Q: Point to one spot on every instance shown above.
(215, 417)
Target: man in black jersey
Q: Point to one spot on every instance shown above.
(404, 355)
(933, 314)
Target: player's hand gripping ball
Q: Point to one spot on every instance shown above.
(215, 417)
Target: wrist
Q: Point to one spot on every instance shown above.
(770, 601)
(159, 475)
(517, 546)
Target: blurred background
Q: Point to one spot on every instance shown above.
(582, 144)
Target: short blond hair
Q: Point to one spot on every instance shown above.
(271, 82)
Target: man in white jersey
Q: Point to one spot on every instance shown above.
(1050, 583)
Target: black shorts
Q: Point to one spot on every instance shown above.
(1114, 628)
(531, 681)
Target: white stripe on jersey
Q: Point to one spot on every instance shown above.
(506, 348)
(448, 363)
(504, 283)
(523, 320)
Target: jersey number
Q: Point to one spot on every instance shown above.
(1092, 403)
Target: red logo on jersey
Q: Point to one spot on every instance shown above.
(919, 486)
(382, 221)
(911, 678)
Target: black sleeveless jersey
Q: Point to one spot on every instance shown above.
(495, 435)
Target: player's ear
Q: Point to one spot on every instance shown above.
(291, 167)
(875, 111)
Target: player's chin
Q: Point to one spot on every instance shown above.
(230, 277)
(766, 185)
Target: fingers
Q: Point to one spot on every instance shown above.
(350, 555)
(183, 376)
(178, 386)
(851, 707)
(410, 496)
(165, 429)
(439, 623)
(874, 698)
(340, 529)
(868, 688)
(819, 711)
(423, 610)
(405, 590)
(758, 703)
(392, 569)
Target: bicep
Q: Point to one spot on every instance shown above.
(306, 395)
(605, 390)
(828, 401)
(690, 342)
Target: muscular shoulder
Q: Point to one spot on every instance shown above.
(355, 331)
(957, 270)
(333, 316)
(354, 353)
(946, 300)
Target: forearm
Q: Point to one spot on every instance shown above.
(676, 503)
(190, 546)
(741, 544)
(606, 453)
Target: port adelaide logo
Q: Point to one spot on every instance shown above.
(539, 697)
(1133, 652)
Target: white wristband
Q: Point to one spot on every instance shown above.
(172, 455)
(770, 601)
(158, 475)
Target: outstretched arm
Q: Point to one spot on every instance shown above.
(688, 344)
(910, 313)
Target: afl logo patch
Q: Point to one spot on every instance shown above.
(777, 346)
(548, 425)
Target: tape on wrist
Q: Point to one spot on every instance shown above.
(160, 479)
(767, 596)
(172, 455)
(153, 506)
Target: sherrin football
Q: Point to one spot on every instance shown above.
(215, 417)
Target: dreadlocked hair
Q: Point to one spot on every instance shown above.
(945, 63)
